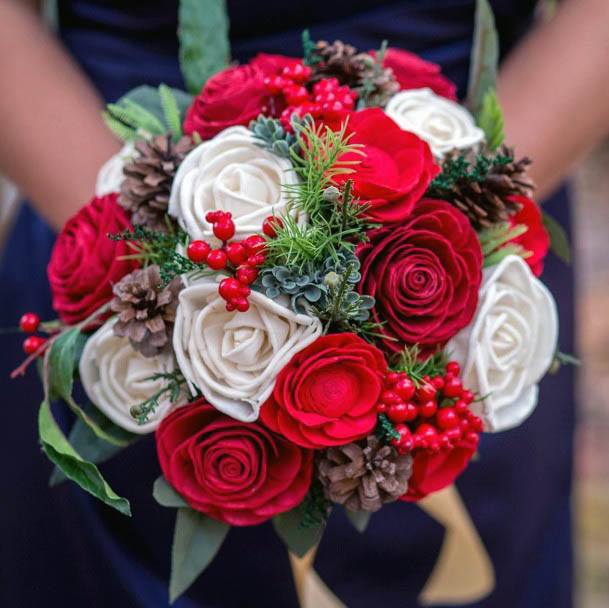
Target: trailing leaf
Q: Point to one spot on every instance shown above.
(165, 495)
(359, 519)
(63, 356)
(204, 44)
(297, 537)
(490, 120)
(485, 57)
(62, 454)
(196, 541)
(559, 241)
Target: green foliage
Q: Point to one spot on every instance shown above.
(63, 356)
(368, 91)
(165, 495)
(359, 519)
(196, 541)
(490, 120)
(273, 137)
(204, 43)
(171, 390)
(64, 456)
(385, 430)
(417, 367)
(485, 57)
(495, 242)
(315, 507)
(457, 168)
(310, 57)
(561, 359)
(131, 121)
(171, 111)
(559, 241)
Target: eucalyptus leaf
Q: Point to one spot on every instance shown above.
(165, 495)
(196, 540)
(297, 538)
(359, 519)
(485, 57)
(559, 241)
(490, 120)
(63, 358)
(204, 44)
(62, 454)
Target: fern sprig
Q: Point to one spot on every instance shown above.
(171, 112)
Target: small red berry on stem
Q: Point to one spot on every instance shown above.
(453, 387)
(230, 288)
(198, 251)
(453, 367)
(32, 343)
(405, 388)
(216, 259)
(270, 224)
(246, 274)
(224, 229)
(236, 253)
(29, 322)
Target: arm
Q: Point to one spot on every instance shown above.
(554, 89)
(53, 138)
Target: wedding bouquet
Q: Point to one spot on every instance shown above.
(315, 284)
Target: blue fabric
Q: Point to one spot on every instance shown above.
(61, 547)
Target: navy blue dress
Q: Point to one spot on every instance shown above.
(59, 547)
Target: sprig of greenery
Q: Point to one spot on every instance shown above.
(368, 93)
(171, 390)
(496, 245)
(411, 362)
(310, 57)
(315, 507)
(385, 430)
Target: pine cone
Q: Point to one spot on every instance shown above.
(487, 203)
(363, 476)
(341, 61)
(146, 310)
(148, 178)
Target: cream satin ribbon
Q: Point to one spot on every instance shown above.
(463, 572)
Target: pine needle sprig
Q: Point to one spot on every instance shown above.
(315, 507)
(410, 361)
(496, 245)
(309, 47)
(385, 430)
(171, 390)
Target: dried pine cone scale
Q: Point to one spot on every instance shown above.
(148, 177)
(146, 310)
(365, 475)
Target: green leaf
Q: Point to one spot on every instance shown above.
(359, 519)
(196, 540)
(63, 358)
(90, 446)
(165, 495)
(150, 98)
(297, 538)
(485, 57)
(204, 44)
(559, 241)
(171, 111)
(62, 454)
(490, 120)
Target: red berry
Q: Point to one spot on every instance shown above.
(381, 408)
(230, 288)
(453, 387)
(224, 229)
(392, 377)
(453, 367)
(398, 412)
(390, 397)
(426, 392)
(246, 274)
(467, 396)
(216, 259)
(454, 434)
(428, 409)
(445, 442)
(236, 253)
(254, 244)
(32, 343)
(405, 388)
(476, 424)
(269, 224)
(437, 382)
(255, 260)
(213, 216)
(230, 306)
(296, 95)
(405, 436)
(472, 438)
(447, 418)
(412, 411)
(29, 322)
(198, 251)
(242, 304)
(460, 406)
(427, 431)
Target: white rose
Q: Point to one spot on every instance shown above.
(509, 345)
(233, 358)
(110, 176)
(116, 377)
(442, 123)
(230, 173)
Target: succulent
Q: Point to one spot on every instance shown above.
(272, 136)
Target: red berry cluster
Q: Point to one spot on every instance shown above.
(28, 324)
(434, 415)
(242, 258)
(327, 99)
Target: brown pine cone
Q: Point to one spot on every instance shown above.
(148, 177)
(363, 476)
(341, 61)
(487, 202)
(146, 310)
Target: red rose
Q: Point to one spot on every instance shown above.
(232, 97)
(412, 72)
(272, 65)
(396, 170)
(432, 472)
(85, 262)
(327, 394)
(535, 239)
(424, 275)
(237, 472)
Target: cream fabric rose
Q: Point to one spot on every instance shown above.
(509, 345)
(116, 377)
(230, 173)
(233, 358)
(442, 123)
(110, 176)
